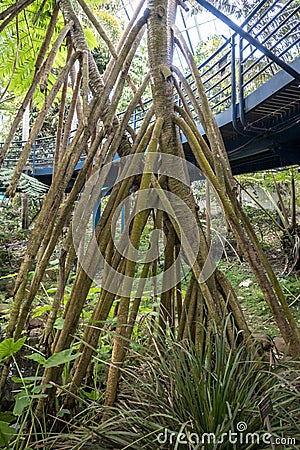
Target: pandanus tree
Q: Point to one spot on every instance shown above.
(156, 145)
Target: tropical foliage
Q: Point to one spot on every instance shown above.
(86, 327)
(28, 184)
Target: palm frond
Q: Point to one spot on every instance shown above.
(29, 185)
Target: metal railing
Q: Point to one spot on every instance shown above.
(238, 67)
(41, 156)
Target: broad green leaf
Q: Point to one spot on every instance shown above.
(39, 396)
(7, 416)
(38, 389)
(59, 323)
(40, 311)
(30, 275)
(7, 433)
(60, 358)
(62, 412)
(26, 379)
(37, 357)
(9, 347)
(93, 395)
(22, 401)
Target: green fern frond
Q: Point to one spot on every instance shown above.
(27, 184)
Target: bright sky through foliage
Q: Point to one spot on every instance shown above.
(196, 26)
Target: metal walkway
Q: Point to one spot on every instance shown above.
(252, 82)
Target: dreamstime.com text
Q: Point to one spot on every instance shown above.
(240, 436)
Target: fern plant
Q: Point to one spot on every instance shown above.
(28, 185)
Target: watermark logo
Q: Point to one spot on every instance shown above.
(238, 436)
(91, 255)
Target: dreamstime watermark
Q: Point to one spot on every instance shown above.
(91, 256)
(239, 436)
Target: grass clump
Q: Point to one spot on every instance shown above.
(174, 396)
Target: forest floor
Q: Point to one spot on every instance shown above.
(238, 272)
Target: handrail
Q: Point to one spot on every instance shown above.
(250, 39)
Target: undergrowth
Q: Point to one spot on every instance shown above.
(173, 396)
